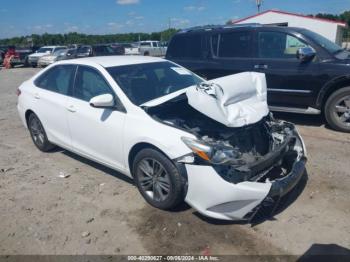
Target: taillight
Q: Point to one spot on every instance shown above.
(18, 92)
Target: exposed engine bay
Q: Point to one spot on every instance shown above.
(262, 151)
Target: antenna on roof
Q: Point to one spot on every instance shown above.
(258, 4)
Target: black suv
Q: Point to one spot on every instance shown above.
(305, 72)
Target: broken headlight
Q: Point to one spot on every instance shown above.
(216, 153)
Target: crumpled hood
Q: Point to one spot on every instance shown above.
(235, 100)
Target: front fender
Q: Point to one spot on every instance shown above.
(146, 130)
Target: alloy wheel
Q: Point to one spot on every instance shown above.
(154, 179)
(342, 110)
(37, 131)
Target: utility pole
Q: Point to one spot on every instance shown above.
(258, 4)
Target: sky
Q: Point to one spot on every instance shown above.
(25, 17)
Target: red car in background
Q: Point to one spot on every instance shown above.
(16, 56)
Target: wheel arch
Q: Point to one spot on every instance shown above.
(137, 148)
(27, 114)
(331, 87)
(142, 145)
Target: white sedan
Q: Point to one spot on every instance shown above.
(212, 144)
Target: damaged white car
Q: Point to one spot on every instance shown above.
(212, 144)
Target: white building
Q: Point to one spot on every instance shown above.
(333, 30)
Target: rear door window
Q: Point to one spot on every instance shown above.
(235, 44)
(58, 79)
(186, 46)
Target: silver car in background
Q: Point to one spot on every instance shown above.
(58, 55)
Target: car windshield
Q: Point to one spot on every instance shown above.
(45, 49)
(60, 52)
(84, 49)
(324, 42)
(145, 82)
(103, 50)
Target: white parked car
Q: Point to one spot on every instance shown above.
(211, 144)
(45, 50)
(51, 58)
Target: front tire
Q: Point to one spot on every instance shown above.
(158, 180)
(337, 110)
(38, 134)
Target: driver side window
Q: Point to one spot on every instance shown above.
(278, 45)
(89, 83)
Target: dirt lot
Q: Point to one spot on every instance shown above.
(98, 211)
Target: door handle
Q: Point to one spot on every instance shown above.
(261, 66)
(71, 108)
(36, 96)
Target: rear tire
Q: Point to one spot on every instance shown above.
(158, 180)
(337, 110)
(38, 134)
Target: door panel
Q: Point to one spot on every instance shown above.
(96, 132)
(51, 97)
(51, 110)
(289, 81)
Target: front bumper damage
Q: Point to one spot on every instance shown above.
(213, 195)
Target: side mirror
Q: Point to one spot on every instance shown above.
(305, 54)
(102, 101)
(48, 52)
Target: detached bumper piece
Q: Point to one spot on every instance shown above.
(280, 189)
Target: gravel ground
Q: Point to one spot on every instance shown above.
(99, 211)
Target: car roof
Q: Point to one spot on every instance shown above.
(111, 61)
(52, 46)
(101, 44)
(225, 28)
